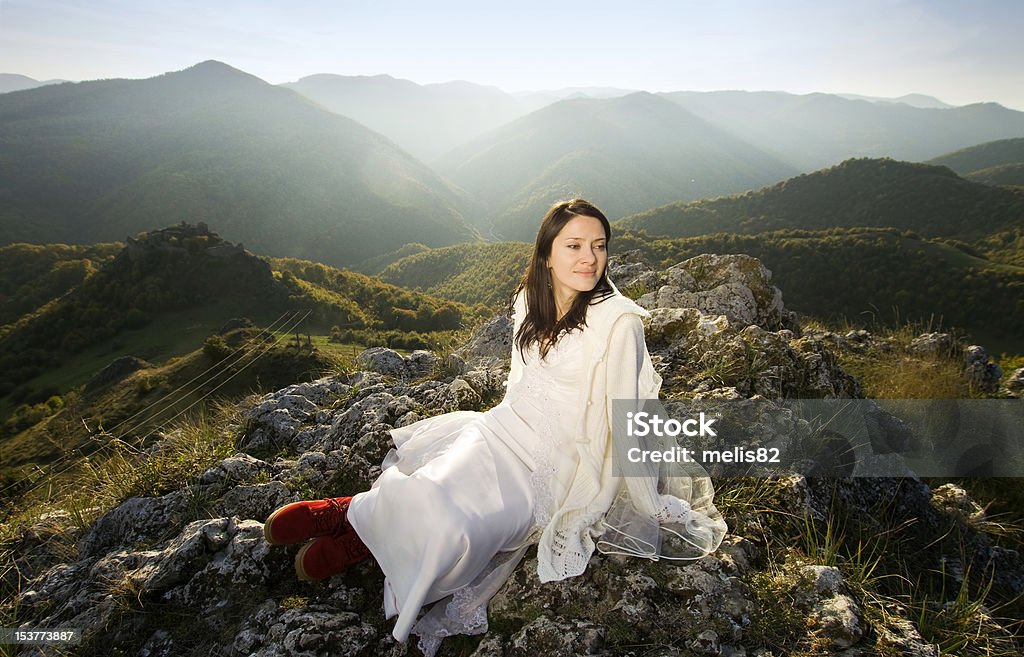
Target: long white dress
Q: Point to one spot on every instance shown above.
(464, 494)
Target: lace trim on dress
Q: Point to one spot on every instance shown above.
(466, 610)
(572, 546)
(535, 386)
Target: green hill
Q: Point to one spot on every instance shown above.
(1005, 174)
(96, 161)
(470, 273)
(625, 154)
(932, 201)
(167, 290)
(32, 275)
(983, 156)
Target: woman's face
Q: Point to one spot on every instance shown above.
(578, 257)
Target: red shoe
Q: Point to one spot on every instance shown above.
(300, 521)
(330, 555)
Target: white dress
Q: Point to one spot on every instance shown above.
(465, 493)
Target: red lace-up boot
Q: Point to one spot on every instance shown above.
(300, 521)
(330, 555)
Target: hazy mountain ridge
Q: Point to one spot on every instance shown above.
(914, 100)
(266, 165)
(816, 130)
(425, 120)
(16, 82)
(622, 153)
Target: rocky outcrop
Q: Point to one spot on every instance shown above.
(736, 286)
(188, 572)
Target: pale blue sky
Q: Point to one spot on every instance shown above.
(960, 52)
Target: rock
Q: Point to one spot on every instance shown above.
(931, 344)
(240, 468)
(899, 636)
(1015, 384)
(136, 520)
(706, 643)
(490, 345)
(557, 637)
(459, 395)
(736, 286)
(982, 374)
(826, 580)
(632, 276)
(420, 363)
(950, 498)
(840, 620)
(382, 360)
(255, 502)
(117, 370)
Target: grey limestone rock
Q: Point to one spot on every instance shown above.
(1015, 384)
(382, 360)
(490, 345)
(931, 344)
(736, 286)
(981, 372)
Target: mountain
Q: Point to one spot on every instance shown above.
(817, 130)
(932, 201)
(994, 163)
(624, 154)
(425, 120)
(15, 82)
(96, 161)
(914, 100)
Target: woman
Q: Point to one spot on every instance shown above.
(464, 494)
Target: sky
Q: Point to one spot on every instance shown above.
(958, 51)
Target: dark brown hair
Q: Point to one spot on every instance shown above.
(541, 324)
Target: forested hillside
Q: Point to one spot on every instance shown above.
(470, 273)
(932, 201)
(993, 163)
